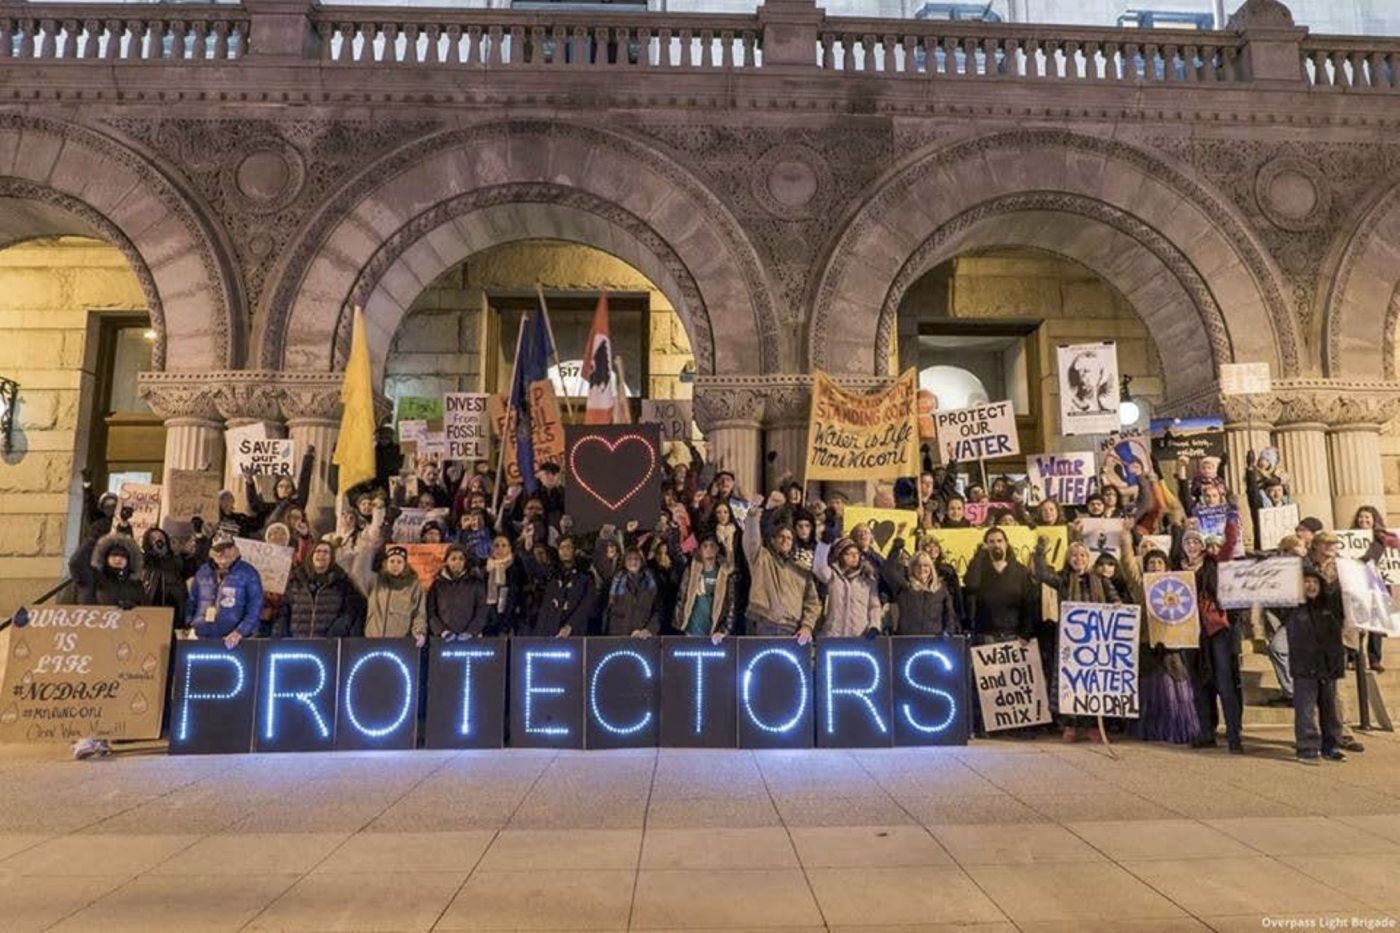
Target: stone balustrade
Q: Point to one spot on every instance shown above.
(123, 32)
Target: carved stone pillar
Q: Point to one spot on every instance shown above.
(730, 417)
(193, 429)
(1248, 427)
(1357, 478)
(1303, 448)
(311, 404)
(246, 398)
(786, 413)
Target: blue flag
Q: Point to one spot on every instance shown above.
(531, 365)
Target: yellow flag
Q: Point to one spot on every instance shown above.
(354, 448)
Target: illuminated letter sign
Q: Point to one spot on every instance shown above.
(698, 701)
(466, 694)
(775, 694)
(622, 694)
(378, 694)
(296, 695)
(212, 700)
(930, 691)
(546, 693)
(853, 686)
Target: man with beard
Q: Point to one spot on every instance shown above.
(1000, 592)
(783, 597)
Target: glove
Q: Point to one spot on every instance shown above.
(871, 633)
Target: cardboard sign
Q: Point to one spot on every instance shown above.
(1367, 603)
(1098, 660)
(144, 501)
(1276, 524)
(408, 527)
(1274, 582)
(887, 525)
(465, 426)
(546, 427)
(1069, 479)
(614, 474)
(858, 437)
(1245, 379)
(1102, 535)
(267, 457)
(190, 494)
(1009, 685)
(418, 408)
(79, 671)
(1355, 542)
(426, 560)
(1173, 438)
(273, 562)
(960, 544)
(1173, 615)
(1089, 392)
(983, 432)
(985, 514)
(673, 415)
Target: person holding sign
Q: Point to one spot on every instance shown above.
(1368, 516)
(227, 596)
(286, 493)
(1168, 703)
(1317, 660)
(783, 598)
(1217, 671)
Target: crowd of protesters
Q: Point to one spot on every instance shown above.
(718, 562)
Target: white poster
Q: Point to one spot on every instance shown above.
(1089, 390)
(672, 414)
(408, 527)
(1275, 582)
(264, 457)
(1069, 479)
(1355, 542)
(1276, 524)
(273, 562)
(1102, 535)
(1098, 660)
(144, 501)
(1245, 379)
(983, 432)
(1009, 685)
(465, 426)
(1366, 600)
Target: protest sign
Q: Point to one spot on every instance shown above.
(418, 408)
(408, 527)
(1276, 524)
(1066, 478)
(144, 501)
(1161, 543)
(1245, 379)
(191, 494)
(927, 404)
(76, 672)
(982, 432)
(425, 560)
(1273, 582)
(1102, 535)
(546, 427)
(1089, 390)
(960, 544)
(887, 525)
(266, 457)
(465, 426)
(1125, 463)
(1389, 566)
(412, 431)
(1173, 615)
(674, 416)
(1355, 542)
(1173, 438)
(1366, 600)
(854, 436)
(273, 562)
(1211, 520)
(614, 474)
(1098, 660)
(1009, 685)
(234, 438)
(986, 514)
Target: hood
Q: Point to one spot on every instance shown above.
(112, 540)
(149, 538)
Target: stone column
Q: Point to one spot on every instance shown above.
(193, 427)
(785, 414)
(1303, 448)
(245, 398)
(311, 404)
(731, 419)
(1248, 427)
(1357, 479)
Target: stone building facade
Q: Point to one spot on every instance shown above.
(785, 179)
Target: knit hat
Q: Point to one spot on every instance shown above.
(221, 541)
(396, 549)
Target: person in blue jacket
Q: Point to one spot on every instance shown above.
(227, 595)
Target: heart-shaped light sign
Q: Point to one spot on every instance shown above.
(642, 466)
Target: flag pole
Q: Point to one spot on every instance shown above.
(501, 454)
(620, 399)
(554, 346)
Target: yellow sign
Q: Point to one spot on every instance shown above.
(888, 525)
(858, 437)
(960, 544)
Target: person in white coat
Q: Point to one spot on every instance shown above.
(852, 591)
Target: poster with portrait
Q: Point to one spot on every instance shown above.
(1125, 463)
(1088, 376)
(614, 474)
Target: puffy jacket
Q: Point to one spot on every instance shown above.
(852, 596)
(631, 604)
(236, 600)
(1315, 640)
(721, 601)
(317, 605)
(920, 610)
(569, 599)
(457, 605)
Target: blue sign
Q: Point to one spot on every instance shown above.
(466, 694)
(213, 692)
(854, 693)
(296, 707)
(624, 677)
(930, 682)
(546, 692)
(378, 694)
(699, 707)
(775, 693)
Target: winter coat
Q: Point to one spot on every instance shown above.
(632, 604)
(109, 587)
(318, 605)
(781, 593)
(1001, 605)
(721, 601)
(852, 596)
(569, 599)
(265, 513)
(1315, 649)
(165, 579)
(395, 606)
(921, 610)
(236, 600)
(457, 605)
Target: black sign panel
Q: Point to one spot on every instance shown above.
(930, 690)
(854, 698)
(297, 680)
(546, 692)
(212, 697)
(774, 687)
(466, 694)
(614, 474)
(378, 704)
(698, 702)
(623, 682)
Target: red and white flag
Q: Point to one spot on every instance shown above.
(606, 404)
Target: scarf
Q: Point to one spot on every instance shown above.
(496, 579)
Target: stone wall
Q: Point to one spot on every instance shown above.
(47, 289)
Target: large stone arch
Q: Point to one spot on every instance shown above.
(1169, 245)
(62, 179)
(1362, 305)
(430, 204)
